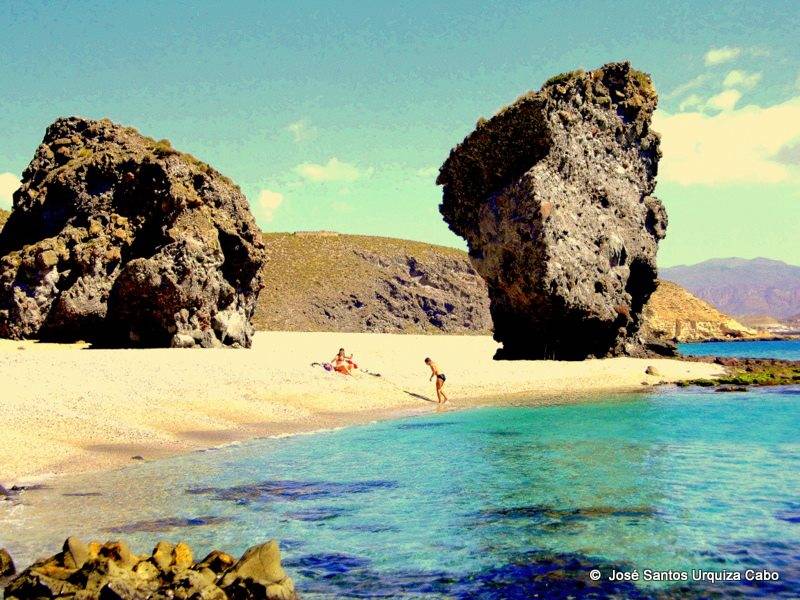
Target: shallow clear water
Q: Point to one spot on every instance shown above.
(785, 349)
(487, 503)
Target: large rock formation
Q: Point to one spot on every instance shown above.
(116, 237)
(553, 195)
(97, 571)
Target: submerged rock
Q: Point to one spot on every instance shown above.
(112, 571)
(118, 238)
(554, 198)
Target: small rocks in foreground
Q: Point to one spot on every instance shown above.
(7, 567)
(112, 572)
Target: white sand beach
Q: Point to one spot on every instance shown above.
(68, 408)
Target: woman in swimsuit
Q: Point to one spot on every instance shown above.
(440, 379)
(343, 364)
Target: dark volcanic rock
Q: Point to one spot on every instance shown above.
(115, 237)
(553, 195)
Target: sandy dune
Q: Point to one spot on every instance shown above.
(66, 408)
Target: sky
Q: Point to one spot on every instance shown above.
(337, 115)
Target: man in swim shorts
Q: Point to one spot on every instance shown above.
(440, 379)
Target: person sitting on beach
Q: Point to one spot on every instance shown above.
(440, 379)
(343, 364)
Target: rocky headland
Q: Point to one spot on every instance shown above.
(111, 571)
(672, 313)
(553, 195)
(121, 239)
(326, 281)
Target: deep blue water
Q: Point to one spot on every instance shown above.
(785, 349)
(494, 503)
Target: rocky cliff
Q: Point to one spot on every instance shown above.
(118, 238)
(554, 198)
(674, 314)
(324, 281)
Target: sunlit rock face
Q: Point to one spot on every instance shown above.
(121, 239)
(554, 198)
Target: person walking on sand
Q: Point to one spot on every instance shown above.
(440, 379)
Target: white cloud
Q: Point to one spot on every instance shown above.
(717, 56)
(428, 172)
(741, 79)
(302, 130)
(333, 170)
(269, 202)
(789, 154)
(745, 145)
(685, 87)
(724, 100)
(692, 101)
(8, 185)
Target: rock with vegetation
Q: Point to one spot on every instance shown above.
(323, 281)
(554, 196)
(118, 238)
(743, 372)
(111, 571)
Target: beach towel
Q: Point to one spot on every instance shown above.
(327, 366)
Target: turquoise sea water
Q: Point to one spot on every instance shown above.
(498, 503)
(785, 349)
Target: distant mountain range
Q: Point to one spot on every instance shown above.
(740, 287)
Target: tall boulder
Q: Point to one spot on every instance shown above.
(121, 239)
(554, 198)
